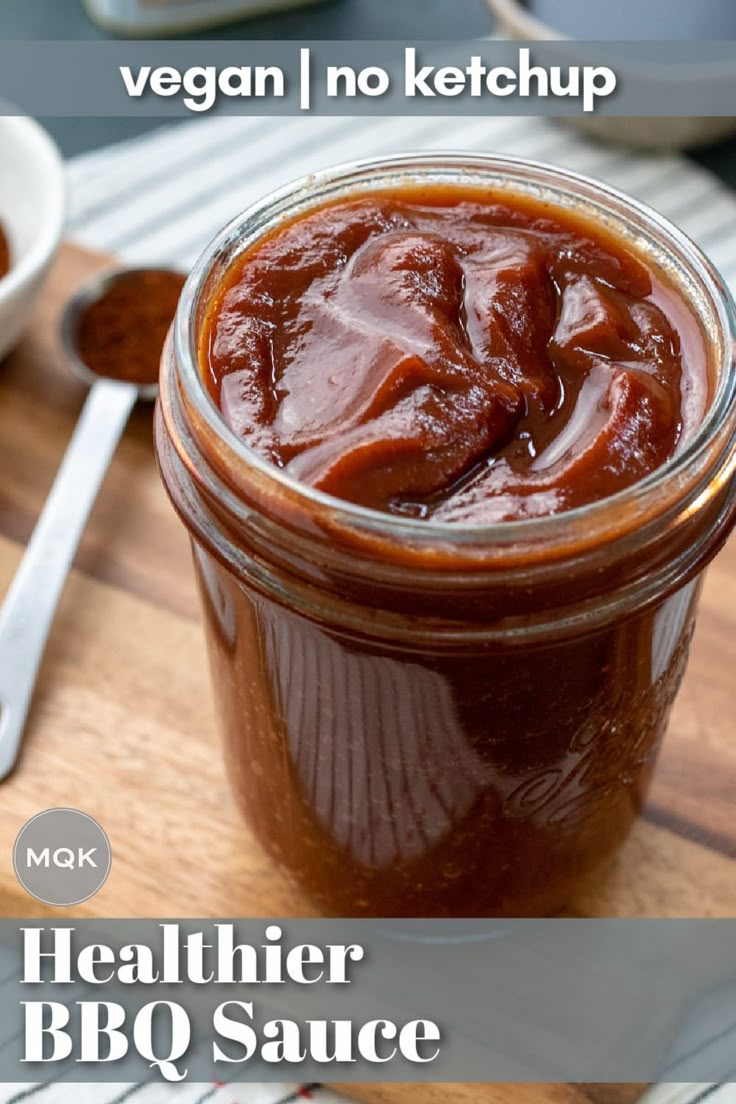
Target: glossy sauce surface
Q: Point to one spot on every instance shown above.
(455, 355)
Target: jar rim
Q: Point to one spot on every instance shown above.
(496, 171)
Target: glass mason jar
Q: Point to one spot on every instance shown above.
(436, 720)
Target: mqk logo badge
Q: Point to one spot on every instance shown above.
(62, 857)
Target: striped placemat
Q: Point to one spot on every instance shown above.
(61, 1092)
(160, 198)
(239, 1093)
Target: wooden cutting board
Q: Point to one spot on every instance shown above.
(122, 725)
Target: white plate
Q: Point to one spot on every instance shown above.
(32, 203)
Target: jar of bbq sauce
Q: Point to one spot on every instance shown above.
(443, 689)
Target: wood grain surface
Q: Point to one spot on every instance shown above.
(122, 724)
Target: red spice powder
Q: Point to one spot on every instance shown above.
(4, 254)
(122, 334)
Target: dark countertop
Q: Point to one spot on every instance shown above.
(340, 19)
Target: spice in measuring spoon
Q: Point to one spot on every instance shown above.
(121, 334)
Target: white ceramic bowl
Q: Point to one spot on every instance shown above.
(32, 206)
(645, 132)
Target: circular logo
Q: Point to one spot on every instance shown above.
(62, 857)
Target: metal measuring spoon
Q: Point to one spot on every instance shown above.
(30, 604)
